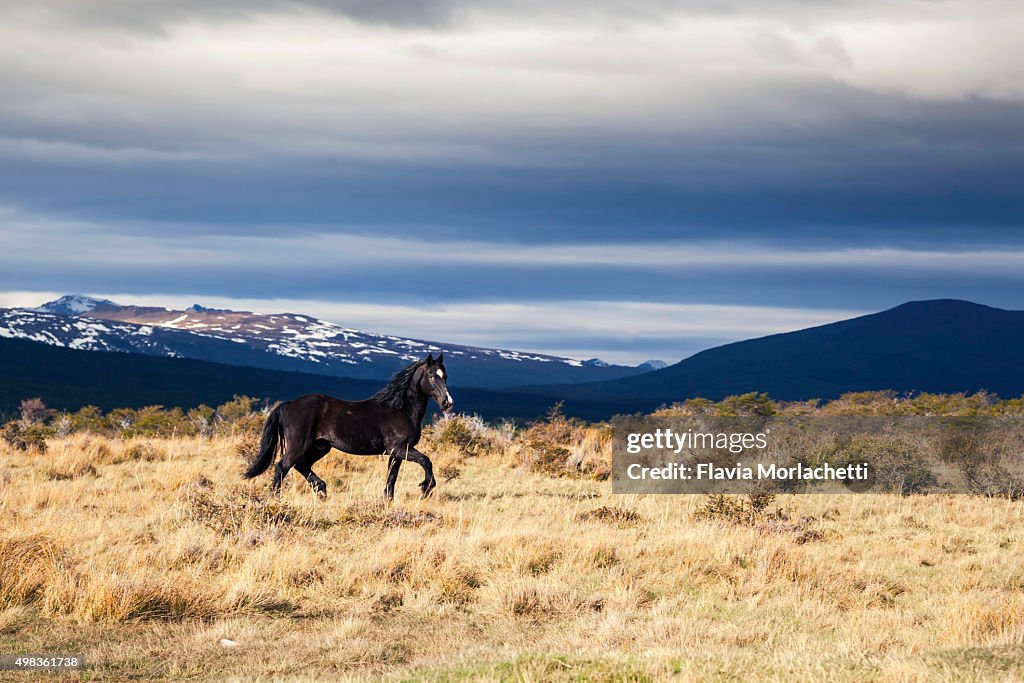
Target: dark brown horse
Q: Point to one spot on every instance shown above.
(389, 423)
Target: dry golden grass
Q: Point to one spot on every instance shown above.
(144, 555)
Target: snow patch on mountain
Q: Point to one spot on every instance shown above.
(74, 304)
(285, 341)
(58, 329)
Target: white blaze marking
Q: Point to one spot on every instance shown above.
(440, 374)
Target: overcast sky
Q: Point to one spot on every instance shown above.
(627, 180)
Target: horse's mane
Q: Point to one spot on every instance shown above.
(393, 393)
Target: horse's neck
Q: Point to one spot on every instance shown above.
(415, 404)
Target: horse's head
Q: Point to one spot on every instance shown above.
(434, 381)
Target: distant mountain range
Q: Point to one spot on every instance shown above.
(285, 341)
(69, 379)
(935, 346)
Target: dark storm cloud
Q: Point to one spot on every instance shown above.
(545, 154)
(284, 121)
(920, 174)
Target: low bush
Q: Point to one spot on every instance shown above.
(468, 434)
(748, 510)
(562, 446)
(898, 465)
(23, 436)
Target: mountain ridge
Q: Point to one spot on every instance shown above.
(937, 345)
(113, 380)
(281, 341)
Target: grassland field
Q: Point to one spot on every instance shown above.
(154, 559)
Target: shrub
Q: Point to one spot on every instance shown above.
(994, 479)
(34, 411)
(548, 443)
(897, 465)
(63, 425)
(746, 405)
(951, 404)
(591, 454)
(235, 410)
(249, 432)
(753, 509)
(554, 428)
(202, 420)
(120, 420)
(864, 403)
(691, 406)
(466, 433)
(550, 458)
(156, 421)
(248, 448)
(89, 418)
(249, 426)
(961, 444)
(25, 437)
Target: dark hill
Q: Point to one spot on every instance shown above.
(937, 346)
(68, 379)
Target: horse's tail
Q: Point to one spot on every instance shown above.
(269, 443)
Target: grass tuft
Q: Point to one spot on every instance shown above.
(610, 514)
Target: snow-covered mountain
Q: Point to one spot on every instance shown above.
(285, 341)
(74, 304)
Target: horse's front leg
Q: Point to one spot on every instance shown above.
(428, 483)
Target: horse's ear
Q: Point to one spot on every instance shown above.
(429, 359)
(440, 358)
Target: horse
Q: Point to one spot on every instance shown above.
(389, 422)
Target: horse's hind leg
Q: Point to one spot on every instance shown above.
(298, 431)
(305, 468)
(394, 462)
(318, 485)
(292, 456)
(280, 470)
